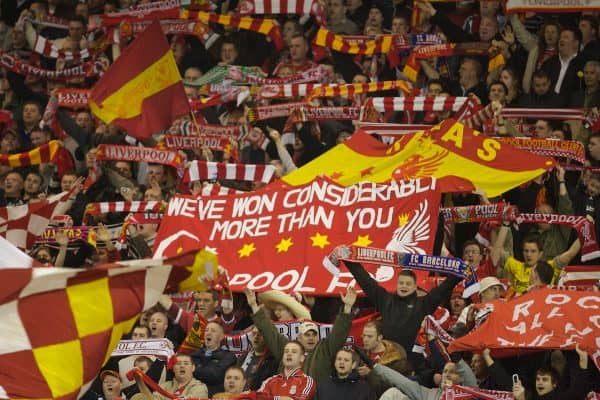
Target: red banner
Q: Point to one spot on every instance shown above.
(539, 320)
(277, 237)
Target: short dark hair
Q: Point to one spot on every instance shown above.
(437, 82)
(551, 371)
(377, 324)
(576, 32)
(545, 271)
(540, 73)
(146, 327)
(408, 272)
(472, 243)
(145, 359)
(533, 238)
(499, 83)
(593, 21)
(213, 292)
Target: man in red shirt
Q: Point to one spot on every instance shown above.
(292, 383)
(299, 60)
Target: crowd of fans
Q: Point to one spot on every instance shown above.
(550, 61)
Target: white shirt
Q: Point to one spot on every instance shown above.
(564, 64)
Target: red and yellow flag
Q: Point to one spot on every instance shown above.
(142, 91)
(459, 156)
(43, 154)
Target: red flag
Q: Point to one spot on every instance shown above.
(142, 91)
(277, 237)
(539, 320)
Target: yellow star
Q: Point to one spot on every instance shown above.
(284, 245)
(363, 241)
(246, 250)
(426, 142)
(319, 240)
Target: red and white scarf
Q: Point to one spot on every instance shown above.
(169, 27)
(157, 10)
(214, 189)
(46, 48)
(544, 113)
(314, 74)
(121, 206)
(88, 69)
(210, 170)
(139, 154)
(262, 113)
(417, 103)
(295, 7)
(457, 392)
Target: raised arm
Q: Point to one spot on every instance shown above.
(376, 294)
(274, 340)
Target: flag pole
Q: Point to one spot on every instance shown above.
(194, 122)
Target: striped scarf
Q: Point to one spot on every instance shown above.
(214, 189)
(238, 74)
(295, 7)
(267, 27)
(312, 90)
(544, 113)
(210, 170)
(187, 128)
(456, 392)
(366, 45)
(354, 45)
(88, 69)
(262, 113)
(349, 90)
(157, 10)
(40, 155)
(570, 149)
(307, 113)
(169, 27)
(417, 103)
(46, 48)
(120, 206)
(412, 67)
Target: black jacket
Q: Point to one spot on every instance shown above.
(211, 367)
(401, 316)
(351, 387)
(571, 82)
(264, 368)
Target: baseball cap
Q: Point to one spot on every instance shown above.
(488, 282)
(307, 326)
(107, 372)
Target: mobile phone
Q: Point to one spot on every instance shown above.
(515, 379)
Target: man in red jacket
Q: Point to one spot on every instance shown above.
(292, 383)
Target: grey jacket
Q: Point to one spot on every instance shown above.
(413, 390)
